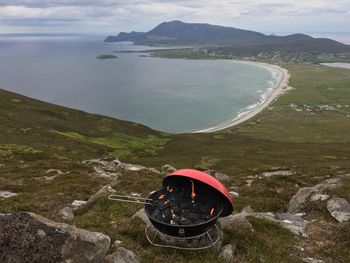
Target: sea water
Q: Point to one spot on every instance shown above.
(172, 95)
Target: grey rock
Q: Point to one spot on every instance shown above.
(107, 189)
(67, 213)
(135, 194)
(237, 223)
(107, 163)
(118, 243)
(54, 171)
(122, 255)
(339, 208)
(141, 215)
(154, 170)
(227, 253)
(98, 171)
(27, 237)
(249, 182)
(318, 197)
(167, 168)
(278, 173)
(78, 203)
(247, 210)
(312, 260)
(222, 177)
(293, 222)
(298, 201)
(53, 174)
(132, 167)
(7, 194)
(234, 194)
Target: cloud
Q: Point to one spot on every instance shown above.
(111, 15)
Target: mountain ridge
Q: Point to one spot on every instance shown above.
(180, 33)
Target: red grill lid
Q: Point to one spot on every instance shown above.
(208, 180)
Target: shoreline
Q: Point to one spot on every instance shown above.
(280, 88)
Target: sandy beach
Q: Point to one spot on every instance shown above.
(280, 87)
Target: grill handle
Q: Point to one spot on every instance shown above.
(131, 199)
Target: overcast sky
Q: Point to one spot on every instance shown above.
(112, 16)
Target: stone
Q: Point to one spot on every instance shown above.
(167, 168)
(122, 255)
(318, 197)
(107, 189)
(27, 237)
(107, 163)
(249, 182)
(78, 203)
(67, 213)
(222, 177)
(227, 253)
(7, 194)
(154, 170)
(141, 215)
(102, 173)
(54, 171)
(312, 260)
(298, 201)
(118, 243)
(135, 195)
(278, 173)
(339, 208)
(293, 222)
(233, 194)
(132, 167)
(237, 224)
(247, 210)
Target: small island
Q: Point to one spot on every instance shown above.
(106, 56)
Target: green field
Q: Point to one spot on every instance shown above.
(306, 130)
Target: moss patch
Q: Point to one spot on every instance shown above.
(124, 146)
(10, 151)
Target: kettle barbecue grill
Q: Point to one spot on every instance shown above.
(187, 205)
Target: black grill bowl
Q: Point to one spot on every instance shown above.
(184, 230)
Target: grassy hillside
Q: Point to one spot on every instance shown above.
(297, 132)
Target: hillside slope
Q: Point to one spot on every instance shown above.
(297, 133)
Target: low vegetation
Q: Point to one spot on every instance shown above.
(306, 138)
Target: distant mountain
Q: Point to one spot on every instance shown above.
(132, 36)
(298, 43)
(180, 33)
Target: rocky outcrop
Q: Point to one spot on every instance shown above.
(227, 253)
(293, 222)
(52, 174)
(299, 200)
(278, 173)
(167, 168)
(27, 237)
(7, 194)
(234, 194)
(111, 167)
(122, 255)
(142, 216)
(339, 208)
(67, 212)
(312, 260)
(237, 224)
(105, 190)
